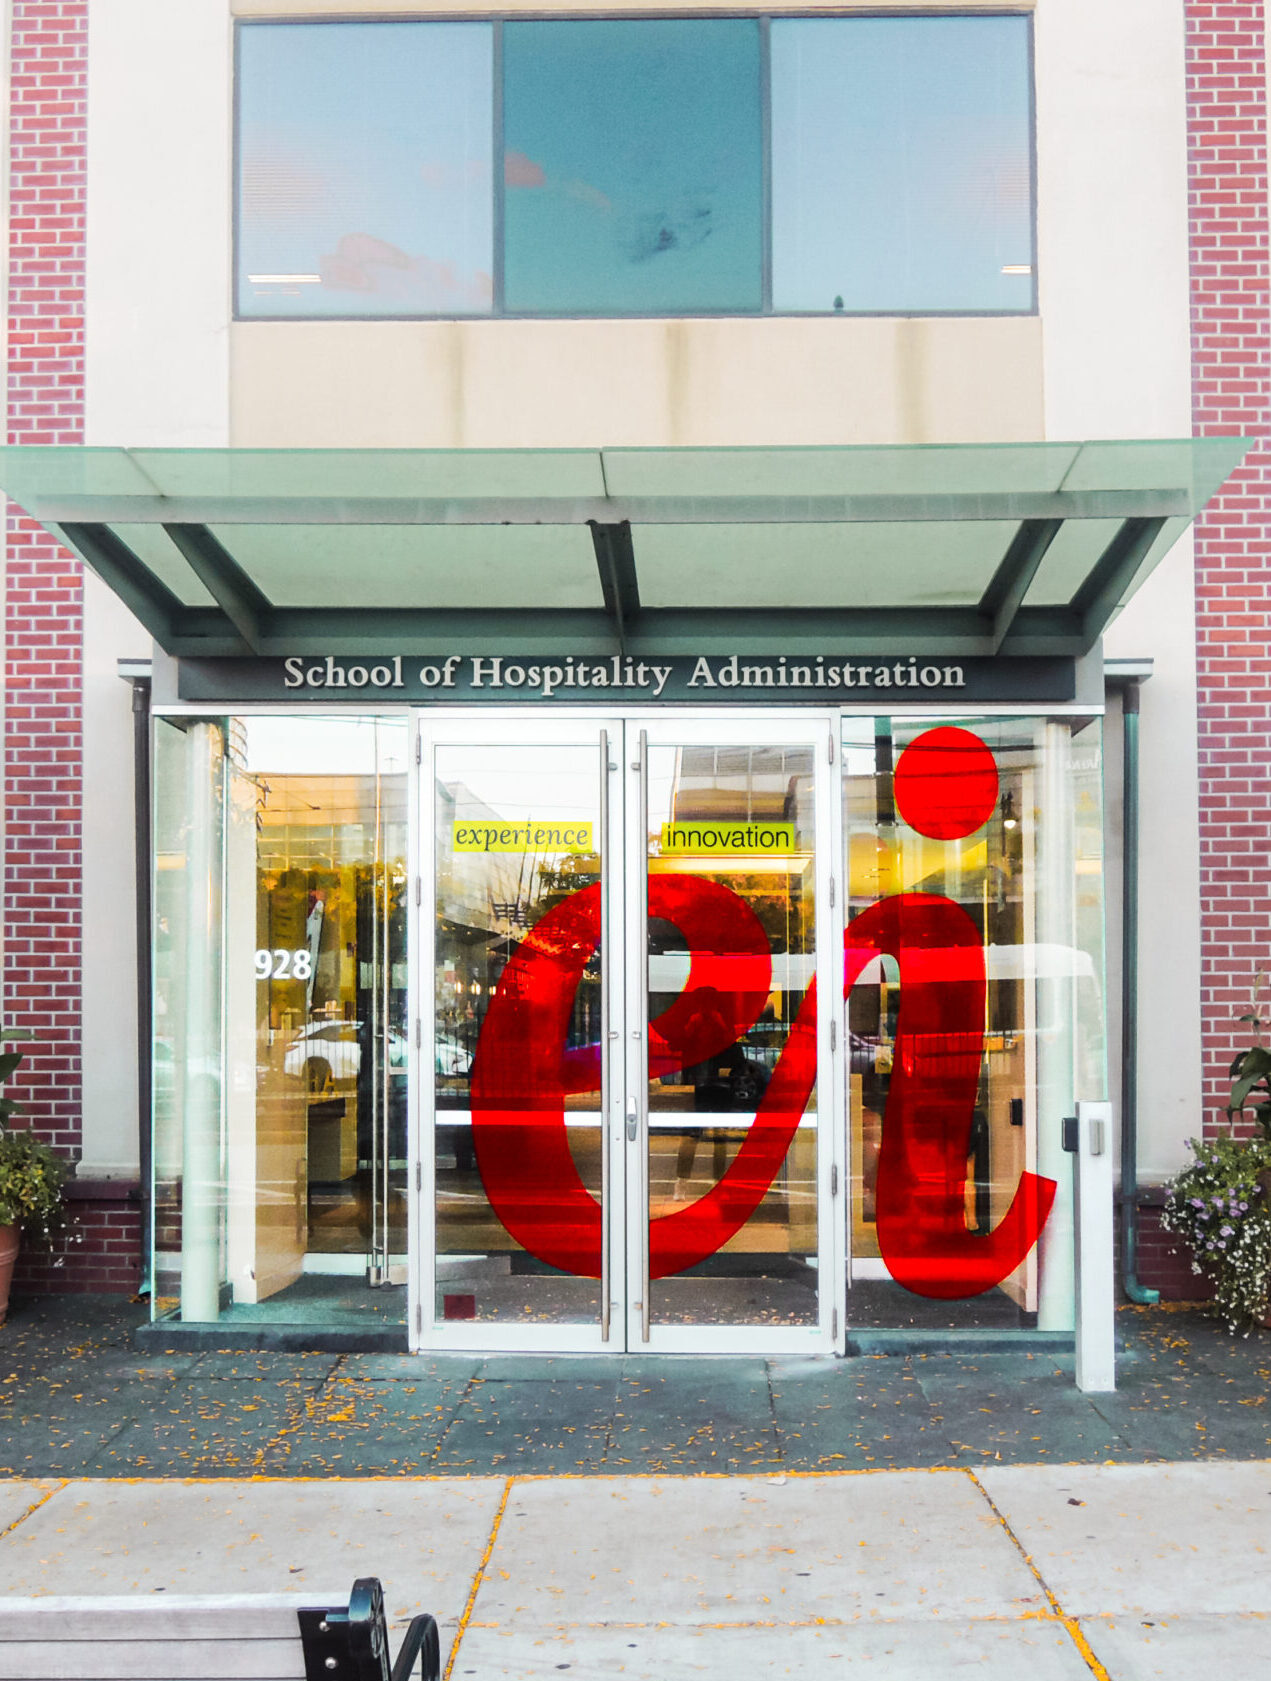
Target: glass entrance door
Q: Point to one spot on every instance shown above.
(521, 1175)
(620, 1119)
(727, 924)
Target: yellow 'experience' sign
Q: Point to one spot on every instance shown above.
(523, 837)
(726, 839)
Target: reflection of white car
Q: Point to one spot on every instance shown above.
(452, 1060)
(328, 1053)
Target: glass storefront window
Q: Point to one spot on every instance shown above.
(624, 927)
(364, 169)
(649, 166)
(901, 164)
(281, 1047)
(975, 1012)
(633, 166)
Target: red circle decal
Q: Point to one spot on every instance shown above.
(945, 783)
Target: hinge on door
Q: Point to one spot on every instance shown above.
(419, 1176)
(834, 1179)
(834, 1324)
(419, 749)
(419, 890)
(419, 1320)
(419, 1033)
(834, 1035)
(830, 745)
(832, 892)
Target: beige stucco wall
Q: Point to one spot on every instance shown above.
(156, 371)
(1113, 279)
(550, 383)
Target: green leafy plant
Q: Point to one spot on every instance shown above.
(1220, 1204)
(31, 1173)
(1250, 1071)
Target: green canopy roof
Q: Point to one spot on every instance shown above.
(940, 549)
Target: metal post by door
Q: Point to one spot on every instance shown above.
(1095, 1253)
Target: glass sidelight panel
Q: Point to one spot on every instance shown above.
(974, 1015)
(730, 1178)
(519, 1150)
(322, 806)
(280, 1047)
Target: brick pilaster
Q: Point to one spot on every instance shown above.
(1231, 394)
(43, 628)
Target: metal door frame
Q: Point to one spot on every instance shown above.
(742, 728)
(624, 1057)
(459, 727)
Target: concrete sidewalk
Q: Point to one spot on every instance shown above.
(1057, 1572)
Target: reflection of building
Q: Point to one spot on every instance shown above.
(756, 426)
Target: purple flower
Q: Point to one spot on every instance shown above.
(1226, 1231)
(1197, 1203)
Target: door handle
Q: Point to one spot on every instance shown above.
(633, 1124)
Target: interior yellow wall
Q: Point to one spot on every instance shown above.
(481, 384)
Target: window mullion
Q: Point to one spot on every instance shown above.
(765, 142)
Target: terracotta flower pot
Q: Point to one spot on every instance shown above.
(10, 1243)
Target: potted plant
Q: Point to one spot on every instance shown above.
(1220, 1204)
(31, 1180)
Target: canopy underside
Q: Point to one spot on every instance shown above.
(921, 549)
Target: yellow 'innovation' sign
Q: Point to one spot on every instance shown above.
(726, 839)
(523, 837)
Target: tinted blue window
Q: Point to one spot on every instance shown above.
(633, 166)
(901, 164)
(364, 183)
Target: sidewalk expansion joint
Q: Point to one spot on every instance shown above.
(1070, 1625)
(34, 1507)
(478, 1578)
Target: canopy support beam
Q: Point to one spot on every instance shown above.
(1111, 576)
(150, 600)
(244, 604)
(1008, 586)
(615, 561)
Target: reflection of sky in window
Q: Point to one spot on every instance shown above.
(365, 161)
(547, 784)
(632, 165)
(324, 746)
(901, 164)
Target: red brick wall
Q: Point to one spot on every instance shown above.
(103, 1251)
(43, 587)
(1162, 1261)
(1231, 321)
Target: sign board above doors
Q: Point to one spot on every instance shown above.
(702, 679)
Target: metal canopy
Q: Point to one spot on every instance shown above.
(915, 549)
